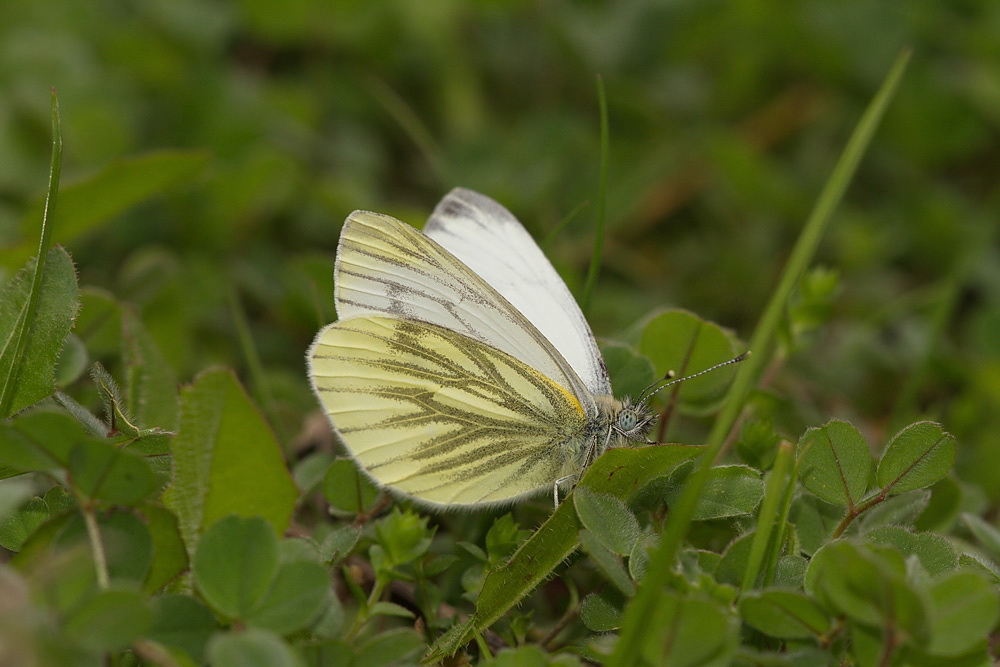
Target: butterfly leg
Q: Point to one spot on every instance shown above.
(555, 488)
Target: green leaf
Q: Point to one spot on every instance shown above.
(72, 362)
(383, 608)
(253, 647)
(986, 534)
(934, 552)
(397, 646)
(235, 565)
(296, 597)
(103, 472)
(347, 489)
(814, 521)
(964, 609)
(182, 622)
(680, 341)
(730, 490)
(121, 184)
(790, 571)
(918, 456)
(602, 612)
(978, 564)
(27, 375)
(867, 585)
(734, 560)
(630, 371)
(17, 527)
(606, 561)
(47, 441)
(901, 510)
(109, 620)
(99, 323)
(835, 463)
(608, 519)
(339, 543)
(170, 557)
(784, 614)
(403, 536)
(151, 385)
(701, 633)
(226, 460)
(620, 472)
(942, 511)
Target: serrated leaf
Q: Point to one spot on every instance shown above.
(226, 460)
(835, 463)
(918, 456)
(29, 376)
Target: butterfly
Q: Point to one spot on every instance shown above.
(461, 371)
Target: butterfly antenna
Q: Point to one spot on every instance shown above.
(669, 378)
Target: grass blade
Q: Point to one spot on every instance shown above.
(629, 646)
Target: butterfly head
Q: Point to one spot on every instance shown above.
(631, 421)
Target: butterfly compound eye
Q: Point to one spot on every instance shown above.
(627, 419)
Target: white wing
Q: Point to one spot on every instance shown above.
(386, 267)
(489, 240)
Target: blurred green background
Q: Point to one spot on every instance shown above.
(218, 146)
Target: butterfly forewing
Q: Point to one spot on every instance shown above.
(442, 416)
(386, 267)
(489, 240)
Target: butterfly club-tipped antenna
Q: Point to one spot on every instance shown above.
(669, 379)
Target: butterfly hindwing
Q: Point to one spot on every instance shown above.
(442, 416)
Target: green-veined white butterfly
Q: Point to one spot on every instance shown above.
(461, 371)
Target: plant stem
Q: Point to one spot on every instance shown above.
(96, 545)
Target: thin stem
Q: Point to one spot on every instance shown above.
(96, 545)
